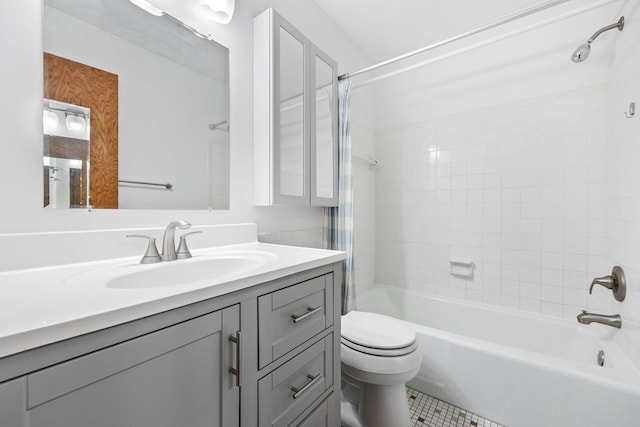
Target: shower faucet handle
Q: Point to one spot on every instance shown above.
(606, 281)
(616, 282)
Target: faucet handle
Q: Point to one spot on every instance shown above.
(151, 256)
(616, 282)
(183, 251)
(606, 281)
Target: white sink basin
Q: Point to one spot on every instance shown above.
(199, 269)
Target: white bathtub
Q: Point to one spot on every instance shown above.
(515, 368)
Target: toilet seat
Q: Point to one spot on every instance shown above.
(377, 334)
(379, 351)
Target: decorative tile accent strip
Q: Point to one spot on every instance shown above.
(427, 411)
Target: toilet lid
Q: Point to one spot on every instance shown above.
(377, 332)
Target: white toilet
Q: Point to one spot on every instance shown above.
(379, 355)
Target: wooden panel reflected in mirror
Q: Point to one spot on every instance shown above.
(79, 84)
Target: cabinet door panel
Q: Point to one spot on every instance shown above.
(173, 377)
(291, 137)
(324, 135)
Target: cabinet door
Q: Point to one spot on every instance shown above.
(295, 117)
(291, 114)
(178, 376)
(12, 403)
(324, 130)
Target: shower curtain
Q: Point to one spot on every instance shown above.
(338, 221)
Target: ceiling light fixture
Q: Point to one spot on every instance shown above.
(219, 10)
(145, 5)
(75, 123)
(50, 121)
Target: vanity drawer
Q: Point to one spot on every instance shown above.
(291, 316)
(288, 391)
(324, 415)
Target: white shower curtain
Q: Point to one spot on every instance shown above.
(338, 221)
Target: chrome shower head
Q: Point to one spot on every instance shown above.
(582, 52)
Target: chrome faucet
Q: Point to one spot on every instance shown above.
(613, 320)
(168, 240)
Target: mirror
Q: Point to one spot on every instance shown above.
(292, 138)
(324, 128)
(66, 154)
(156, 97)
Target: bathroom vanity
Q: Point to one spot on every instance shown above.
(254, 346)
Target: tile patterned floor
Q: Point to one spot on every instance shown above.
(427, 411)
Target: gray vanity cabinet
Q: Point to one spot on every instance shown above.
(179, 368)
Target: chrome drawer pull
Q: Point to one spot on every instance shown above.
(297, 392)
(236, 371)
(310, 311)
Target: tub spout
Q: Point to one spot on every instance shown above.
(613, 320)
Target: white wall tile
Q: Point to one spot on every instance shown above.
(498, 195)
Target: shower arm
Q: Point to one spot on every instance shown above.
(619, 25)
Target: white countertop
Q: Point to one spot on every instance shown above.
(40, 306)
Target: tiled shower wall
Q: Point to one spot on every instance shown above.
(517, 189)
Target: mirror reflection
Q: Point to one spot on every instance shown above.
(324, 128)
(66, 154)
(157, 98)
(292, 138)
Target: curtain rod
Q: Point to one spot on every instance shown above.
(486, 42)
(504, 20)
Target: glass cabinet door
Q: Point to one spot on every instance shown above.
(291, 138)
(324, 135)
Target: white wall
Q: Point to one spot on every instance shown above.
(21, 86)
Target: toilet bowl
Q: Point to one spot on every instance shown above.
(379, 355)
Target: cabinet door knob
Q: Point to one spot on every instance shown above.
(297, 392)
(236, 371)
(310, 312)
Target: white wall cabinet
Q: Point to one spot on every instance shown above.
(175, 368)
(295, 117)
